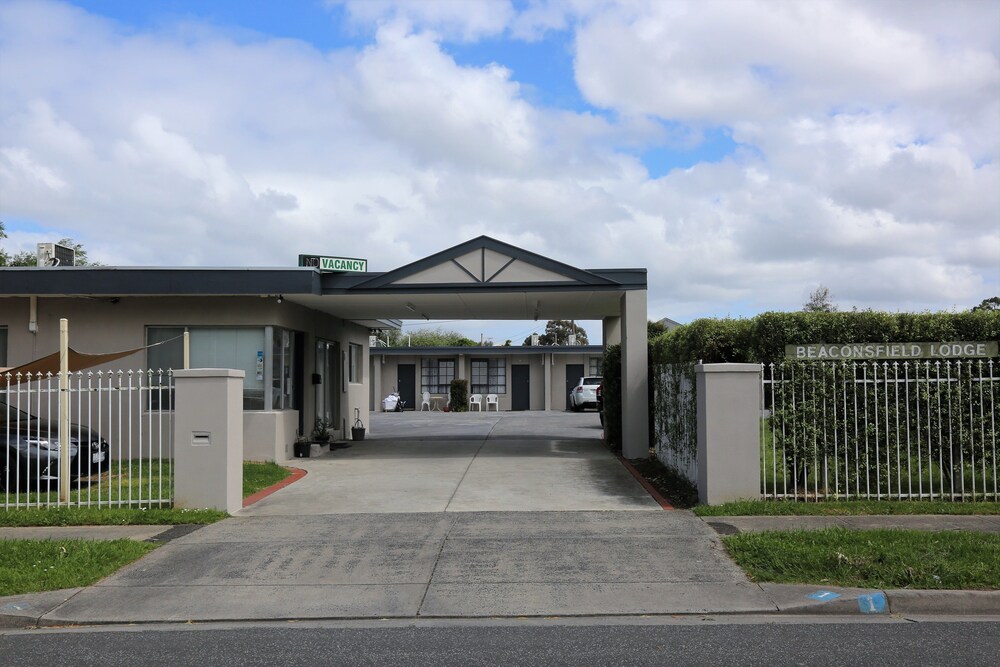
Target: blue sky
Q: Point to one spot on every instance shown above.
(847, 144)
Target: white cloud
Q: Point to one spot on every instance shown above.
(868, 159)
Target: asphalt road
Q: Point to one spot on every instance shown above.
(692, 641)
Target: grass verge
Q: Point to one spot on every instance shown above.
(870, 558)
(259, 476)
(33, 566)
(845, 508)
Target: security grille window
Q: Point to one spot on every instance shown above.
(489, 376)
(284, 379)
(210, 348)
(595, 366)
(436, 375)
(354, 374)
(3, 347)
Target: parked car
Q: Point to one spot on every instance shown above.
(600, 402)
(31, 456)
(584, 394)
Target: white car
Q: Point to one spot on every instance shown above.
(584, 394)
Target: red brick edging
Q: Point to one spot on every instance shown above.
(297, 474)
(663, 503)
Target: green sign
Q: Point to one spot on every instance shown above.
(953, 350)
(334, 263)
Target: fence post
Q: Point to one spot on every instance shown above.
(64, 412)
(208, 438)
(728, 400)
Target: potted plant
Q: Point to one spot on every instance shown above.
(301, 447)
(321, 432)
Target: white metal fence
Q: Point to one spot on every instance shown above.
(120, 439)
(880, 430)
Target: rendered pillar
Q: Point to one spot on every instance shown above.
(547, 379)
(612, 330)
(728, 399)
(208, 439)
(635, 397)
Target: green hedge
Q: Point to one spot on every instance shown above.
(763, 338)
(611, 372)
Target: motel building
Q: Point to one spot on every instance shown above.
(303, 335)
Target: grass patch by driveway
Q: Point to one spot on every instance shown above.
(259, 476)
(870, 558)
(33, 566)
(256, 476)
(845, 508)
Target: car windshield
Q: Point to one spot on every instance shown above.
(590, 381)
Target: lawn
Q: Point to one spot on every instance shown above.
(32, 566)
(845, 508)
(870, 558)
(256, 476)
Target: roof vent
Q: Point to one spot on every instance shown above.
(54, 254)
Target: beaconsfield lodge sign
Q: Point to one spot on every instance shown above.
(955, 350)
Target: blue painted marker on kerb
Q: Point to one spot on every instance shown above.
(824, 596)
(872, 604)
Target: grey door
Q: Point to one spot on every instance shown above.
(406, 384)
(520, 387)
(573, 374)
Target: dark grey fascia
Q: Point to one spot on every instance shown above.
(157, 281)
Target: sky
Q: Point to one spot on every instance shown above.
(745, 152)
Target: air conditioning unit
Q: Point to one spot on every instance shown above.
(53, 254)
(572, 339)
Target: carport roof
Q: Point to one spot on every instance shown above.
(480, 279)
(452, 350)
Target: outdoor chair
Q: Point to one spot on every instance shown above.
(425, 400)
(494, 400)
(476, 400)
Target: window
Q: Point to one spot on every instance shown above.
(284, 379)
(3, 347)
(354, 368)
(210, 348)
(595, 366)
(436, 375)
(489, 376)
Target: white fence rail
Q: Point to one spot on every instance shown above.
(120, 439)
(880, 430)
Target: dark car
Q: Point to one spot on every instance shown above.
(32, 455)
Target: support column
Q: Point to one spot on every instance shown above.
(728, 399)
(547, 379)
(612, 330)
(208, 438)
(635, 397)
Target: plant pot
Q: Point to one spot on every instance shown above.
(357, 433)
(302, 449)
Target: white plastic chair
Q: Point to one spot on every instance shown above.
(476, 400)
(425, 400)
(494, 400)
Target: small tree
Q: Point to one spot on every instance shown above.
(992, 303)
(820, 301)
(458, 398)
(557, 332)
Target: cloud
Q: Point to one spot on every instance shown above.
(867, 144)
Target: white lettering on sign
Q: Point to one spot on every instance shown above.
(890, 351)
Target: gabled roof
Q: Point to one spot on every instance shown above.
(484, 262)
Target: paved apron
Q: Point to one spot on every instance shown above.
(517, 514)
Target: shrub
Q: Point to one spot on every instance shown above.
(458, 400)
(611, 371)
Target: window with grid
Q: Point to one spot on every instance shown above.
(595, 366)
(355, 363)
(436, 375)
(489, 376)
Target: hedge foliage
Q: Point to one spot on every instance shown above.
(611, 371)
(763, 338)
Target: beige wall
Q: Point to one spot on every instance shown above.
(99, 325)
(386, 365)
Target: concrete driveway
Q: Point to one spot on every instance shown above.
(438, 515)
(478, 462)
